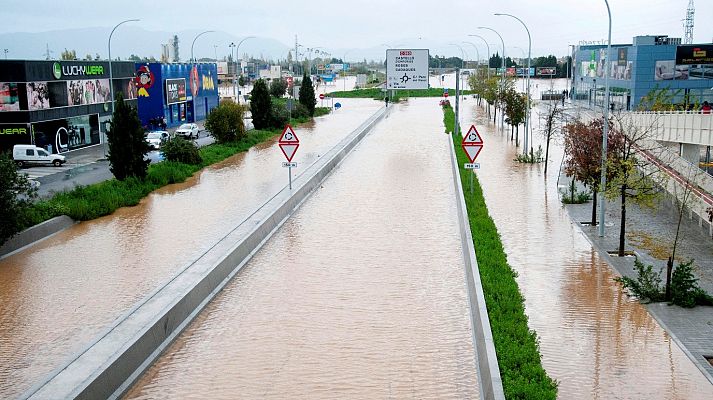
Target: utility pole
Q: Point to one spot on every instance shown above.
(688, 23)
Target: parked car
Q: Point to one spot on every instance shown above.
(187, 131)
(156, 138)
(27, 154)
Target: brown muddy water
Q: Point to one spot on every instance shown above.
(595, 342)
(360, 295)
(60, 293)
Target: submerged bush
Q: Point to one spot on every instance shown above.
(181, 150)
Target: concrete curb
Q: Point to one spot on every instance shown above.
(491, 384)
(109, 366)
(34, 234)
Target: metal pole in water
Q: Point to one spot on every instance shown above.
(456, 125)
(289, 169)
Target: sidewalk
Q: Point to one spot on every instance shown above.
(647, 232)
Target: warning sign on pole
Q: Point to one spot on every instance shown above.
(472, 143)
(289, 143)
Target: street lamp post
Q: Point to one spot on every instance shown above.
(605, 129)
(502, 65)
(344, 78)
(194, 42)
(529, 56)
(111, 74)
(235, 70)
(487, 46)
(239, 64)
(477, 54)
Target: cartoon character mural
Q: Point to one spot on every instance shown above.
(144, 80)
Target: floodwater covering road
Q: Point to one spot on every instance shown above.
(360, 295)
(594, 341)
(60, 293)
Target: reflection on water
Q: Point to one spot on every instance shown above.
(58, 294)
(595, 341)
(360, 295)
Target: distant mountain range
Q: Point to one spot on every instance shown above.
(129, 40)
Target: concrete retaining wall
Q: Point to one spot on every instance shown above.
(36, 233)
(491, 385)
(109, 366)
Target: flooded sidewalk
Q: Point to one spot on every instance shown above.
(594, 341)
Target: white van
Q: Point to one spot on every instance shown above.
(27, 154)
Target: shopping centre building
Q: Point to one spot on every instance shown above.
(65, 105)
(59, 105)
(650, 62)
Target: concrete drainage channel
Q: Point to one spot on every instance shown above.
(491, 385)
(108, 366)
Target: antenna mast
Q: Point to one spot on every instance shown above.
(688, 23)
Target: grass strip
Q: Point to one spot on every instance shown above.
(84, 203)
(378, 94)
(516, 344)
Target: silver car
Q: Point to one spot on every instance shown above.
(189, 131)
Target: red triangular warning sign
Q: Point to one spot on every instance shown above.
(472, 136)
(288, 136)
(289, 150)
(472, 150)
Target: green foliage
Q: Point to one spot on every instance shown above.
(533, 157)
(306, 95)
(127, 142)
(575, 196)
(515, 106)
(685, 291)
(16, 195)
(241, 81)
(378, 94)
(181, 150)
(261, 105)
(647, 285)
(278, 87)
(659, 99)
(225, 122)
(515, 343)
(280, 116)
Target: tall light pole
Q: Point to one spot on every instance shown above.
(605, 129)
(529, 56)
(502, 77)
(477, 53)
(111, 74)
(239, 64)
(194, 42)
(235, 69)
(462, 61)
(344, 61)
(487, 46)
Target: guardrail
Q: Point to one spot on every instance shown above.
(677, 126)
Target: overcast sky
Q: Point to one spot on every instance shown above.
(367, 23)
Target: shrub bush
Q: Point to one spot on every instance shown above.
(181, 150)
(280, 116)
(225, 122)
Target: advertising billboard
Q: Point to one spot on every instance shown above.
(175, 90)
(407, 69)
(38, 97)
(90, 91)
(9, 97)
(694, 54)
(546, 71)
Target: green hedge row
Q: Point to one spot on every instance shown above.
(378, 94)
(516, 344)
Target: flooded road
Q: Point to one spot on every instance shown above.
(59, 294)
(360, 295)
(595, 342)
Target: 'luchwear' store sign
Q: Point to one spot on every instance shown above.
(59, 70)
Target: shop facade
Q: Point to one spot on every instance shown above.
(175, 93)
(685, 72)
(59, 105)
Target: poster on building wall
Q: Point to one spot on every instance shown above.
(694, 54)
(37, 96)
(175, 90)
(9, 97)
(621, 72)
(621, 56)
(89, 91)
